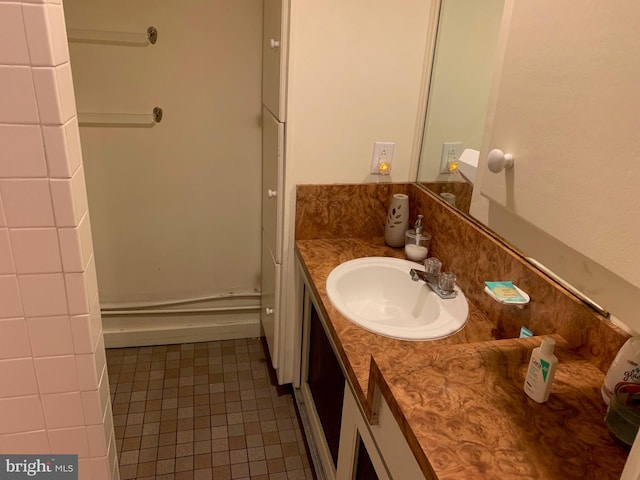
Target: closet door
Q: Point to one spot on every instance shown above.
(270, 287)
(272, 181)
(273, 96)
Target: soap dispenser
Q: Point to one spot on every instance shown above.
(416, 242)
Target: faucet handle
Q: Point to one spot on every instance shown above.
(432, 266)
(447, 281)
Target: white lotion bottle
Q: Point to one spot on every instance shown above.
(542, 368)
(624, 368)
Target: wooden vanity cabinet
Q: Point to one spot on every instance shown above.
(342, 442)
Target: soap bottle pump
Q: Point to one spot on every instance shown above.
(542, 368)
(416, 243)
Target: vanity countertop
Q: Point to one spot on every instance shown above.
(459, 400)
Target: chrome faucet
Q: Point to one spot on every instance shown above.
(442, 284)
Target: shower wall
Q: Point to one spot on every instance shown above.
(175, 208)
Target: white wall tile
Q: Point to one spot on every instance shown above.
(35, 250)
(17, 96)
(58, 33)
(74, 149)
(82, 338)
(101, 468)
(43, 295)
(82, 289)
(56, 375)
(20, 414)
(101, 368)
(3, 221)
(71, 250)
(77, 295)
(92, 368)
(17, 377)
(84, 468)
(21, 151)
(91, 280)
(97, 444)
(70, 441)
(33, 34)
(11, 305)
(6, 253)
(62, 410)
(64, 153)
(19, 443)
(55, 94)
(95, 322)
(46, 34)
(27, 203)
(109, 433)
(63, 203)
(88, 378)
(69, 199)
(76, 246)
(13, 42)
(79, 187)
(14, 338)
(93, 410)
(50, 336)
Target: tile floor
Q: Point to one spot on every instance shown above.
(203, 411)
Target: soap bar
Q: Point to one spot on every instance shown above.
(505, 292)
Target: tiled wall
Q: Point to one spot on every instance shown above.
(54, 392)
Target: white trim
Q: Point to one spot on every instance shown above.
(170, 328)
(423, 101)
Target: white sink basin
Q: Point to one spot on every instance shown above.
(377, 293)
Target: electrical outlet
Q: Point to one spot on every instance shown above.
(382, 158)
(451, 152)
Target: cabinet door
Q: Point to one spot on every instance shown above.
(270, 286)
(273, 94)
(272, 181)
(359, 457)
(326, 382)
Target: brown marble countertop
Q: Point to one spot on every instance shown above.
(459, 400)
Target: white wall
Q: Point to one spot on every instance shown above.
(175, 208)
(462, 72)
(356, 76)
(54, 394)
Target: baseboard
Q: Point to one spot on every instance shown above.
(167, 329)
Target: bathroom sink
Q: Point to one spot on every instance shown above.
(378, 294)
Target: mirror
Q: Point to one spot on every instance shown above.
(550, 99)
(463, 66)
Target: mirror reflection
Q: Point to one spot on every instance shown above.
(564, 93)
(461, 76)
